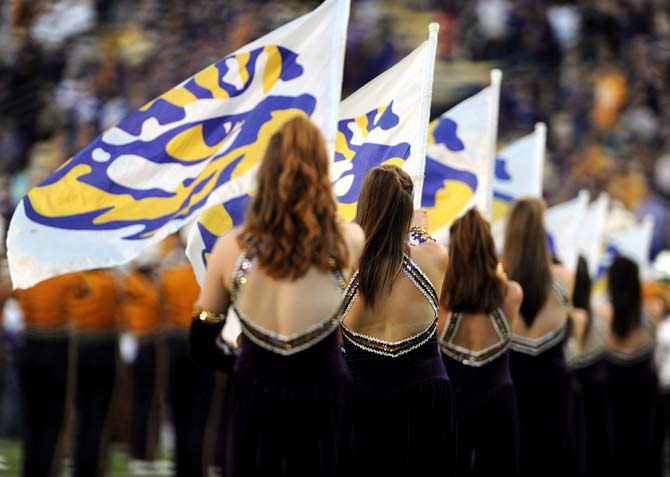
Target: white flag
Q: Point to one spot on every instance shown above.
(633, 242)
(196, 145)
(379, 124)
(591, 232)
(460, 159)
(518, 171)
(562, 223)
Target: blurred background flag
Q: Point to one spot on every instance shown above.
(519, 171)
(460, 159)
(381, 123)
(591, 232)
(197, 144)
(633, 242)
(562, 223)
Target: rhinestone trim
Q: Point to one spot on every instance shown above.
(594, 353)
(560, 291)
(537, 346)
(630, 359)
(208, 316)
(278, 343)
(479, 358)
(392, 348)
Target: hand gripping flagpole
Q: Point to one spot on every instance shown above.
(541, 142)
(429, 70)
(496, 78)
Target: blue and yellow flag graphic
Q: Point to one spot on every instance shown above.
(458, 161)
(379, 124)
(519, 171)
(195, 145)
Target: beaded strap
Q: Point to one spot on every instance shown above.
(421, 281)
(560, 291)
(537, 346)
(476, 358)
(392, 348)
(208, 316)
(282, 344)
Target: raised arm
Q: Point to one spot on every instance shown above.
(209, 312)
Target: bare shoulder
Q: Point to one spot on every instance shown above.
(580, 319)
(514, 295)
(603, 311)
(430, 251)
(433, 259)
(226, 252)
(354, 238)
(353, 235)
(565, 275)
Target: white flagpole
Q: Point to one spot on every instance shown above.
(429, 70)
(336, 72)
(496, 79)
(541, 131)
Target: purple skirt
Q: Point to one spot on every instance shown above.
(593, 425)
(544, 390)
(634, 397)
(486, 416)
(403, 413)
(289, 415)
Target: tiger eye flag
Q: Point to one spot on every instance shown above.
(562, 223)
(196, 145)
(460, 159)
(378, 124)
(633, 242)
(519, 171)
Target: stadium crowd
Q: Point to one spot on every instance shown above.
(597, 72)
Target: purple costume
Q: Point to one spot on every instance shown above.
(486, 409)
(403, 404)
(288, 407)
(544, 390)
(633, 390)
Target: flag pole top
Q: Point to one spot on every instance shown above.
(433, 28)
(496, 76)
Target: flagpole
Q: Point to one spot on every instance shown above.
(429, 70)
(496, 79)
(541, 131)
(336, 72)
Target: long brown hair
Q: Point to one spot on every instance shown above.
(581, 292)
(291, 223)
(625, 294)
(526, 255)
(384, 213)
(471, 282)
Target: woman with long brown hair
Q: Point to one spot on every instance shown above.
(478, 305)
(402, 395)
(539, 371)
(632, 379)
(585, 355)
(284, 272)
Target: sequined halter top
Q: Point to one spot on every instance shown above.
(271, 340)
(537, 346)
(393, 348)
(475, 358)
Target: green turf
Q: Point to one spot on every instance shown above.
(10, 464)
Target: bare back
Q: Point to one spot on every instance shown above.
(554, 313)
(476, 331)
(282, 307)
(405, 311)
